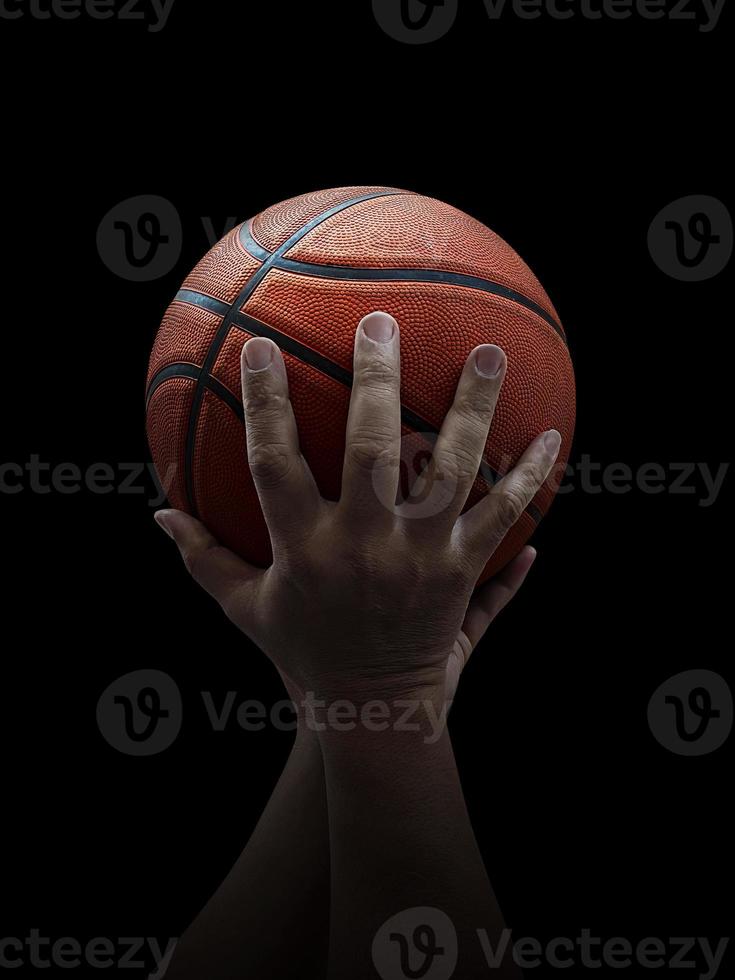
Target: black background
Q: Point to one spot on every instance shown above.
(566, 138)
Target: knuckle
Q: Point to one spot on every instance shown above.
(532, 477)
(474, 408)
(474, 558)
(459, 462)
(519, 491)
(198, 560)
(459, 575)
(541, 473)
(464, 647)
(376, 375)
(369, 450)
(511, 504)
(270, 463)
(232, 604)
(260, 397)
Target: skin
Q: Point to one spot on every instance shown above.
(363, 603)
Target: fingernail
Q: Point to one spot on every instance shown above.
(161, 518)
(552, 442)
(489, 360)
(379, 327)
(258, 354)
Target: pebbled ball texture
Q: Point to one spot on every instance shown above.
(268, 276)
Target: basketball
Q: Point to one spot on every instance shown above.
(304, 273)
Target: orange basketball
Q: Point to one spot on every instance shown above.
(304, 273)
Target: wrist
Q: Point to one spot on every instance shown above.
(407, 717)
(410, 761)
(360, 686)
(350, 704)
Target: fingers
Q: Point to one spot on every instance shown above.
(461, 443)
(227, 578)
(480, 530)
(495, 595)
(286, 488)
(372, 451)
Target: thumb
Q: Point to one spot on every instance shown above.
(495, 595)
(483, 608)
(220, 572)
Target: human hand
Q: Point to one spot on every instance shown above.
(484, 606)
(364, 600)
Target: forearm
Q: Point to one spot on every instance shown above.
(270, 917)
(400, 839)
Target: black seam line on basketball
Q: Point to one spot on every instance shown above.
(224, 328)
(258, 251)
(366, 274)
(251, 245)
(321, 363)
(193, 373)
(203, 301)
(190, 371)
